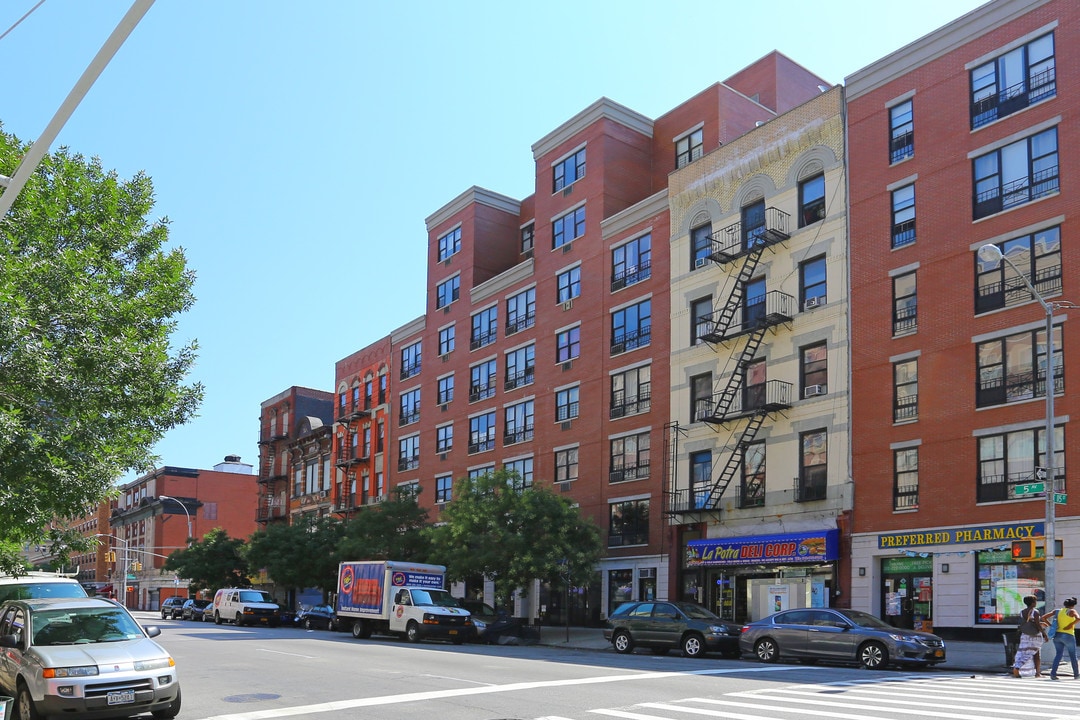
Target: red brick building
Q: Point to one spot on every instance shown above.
(959, 140)
(361, 409)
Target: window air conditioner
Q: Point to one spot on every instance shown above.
(700, 262)
(812, 302)
(568, 304)
(813, 390)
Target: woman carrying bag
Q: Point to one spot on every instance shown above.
(1032, 638)
(1065, 638)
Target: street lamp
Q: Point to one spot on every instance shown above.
(169, 497)
(992, 255)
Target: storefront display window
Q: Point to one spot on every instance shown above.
(1002, 585)
(908, 592)
(620, 588)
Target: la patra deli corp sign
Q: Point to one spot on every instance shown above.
(958, 536)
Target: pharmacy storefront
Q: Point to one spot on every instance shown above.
(951, 578)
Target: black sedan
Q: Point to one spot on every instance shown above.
(834, 634)
(321, 617)
(664, 626)
(193, 609)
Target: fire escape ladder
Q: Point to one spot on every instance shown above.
(734, 461)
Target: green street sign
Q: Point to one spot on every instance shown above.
(1060, 498)
(1030, 488)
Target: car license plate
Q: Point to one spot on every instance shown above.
(453, 632)
(121, 697)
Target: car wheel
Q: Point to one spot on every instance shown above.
(163, 615)
(217, 618)
(25, 709)
(767, 650)
(412, 631)
(239, 620)
(693, 646)
(623, 642)
(358, 629)
(170, 712)
(873, 656)
(308, 625)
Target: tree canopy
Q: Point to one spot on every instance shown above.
(303, 554)
(391, 530)
(90, 377)
(212, 563)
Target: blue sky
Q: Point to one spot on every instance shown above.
(298, 146)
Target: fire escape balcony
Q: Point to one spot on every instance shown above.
(776, 308)
(345, 413)
(351, 456)
(734, 241)
(773, 396)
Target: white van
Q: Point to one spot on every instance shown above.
(245, 606)
(37, 584)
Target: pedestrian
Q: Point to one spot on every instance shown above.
(1032, 637)
(1065, 639)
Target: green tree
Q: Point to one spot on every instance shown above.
(495, 529)
(392, 530)
(90, 379)
(300, 555)
(212, 563)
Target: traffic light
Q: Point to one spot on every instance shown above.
(1023, 549)
(136, 566)
(110, 556)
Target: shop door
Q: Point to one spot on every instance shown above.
(722, 595)
(908, 593)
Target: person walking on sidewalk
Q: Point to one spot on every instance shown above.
(1065, 639)
(1032, 638)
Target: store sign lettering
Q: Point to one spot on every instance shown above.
(805, 547)
(989, 533)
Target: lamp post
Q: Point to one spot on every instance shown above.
(992, 255)
(181, 504)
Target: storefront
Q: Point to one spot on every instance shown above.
(747, 578)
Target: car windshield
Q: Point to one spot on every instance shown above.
(696, 611)
(865, 619)
(83, 625)
(255, 596)
(434, 597)
(25, 591)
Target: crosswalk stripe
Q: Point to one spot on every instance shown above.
(872, 693)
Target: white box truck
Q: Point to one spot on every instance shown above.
(389, 597)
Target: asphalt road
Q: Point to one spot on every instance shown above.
(230, 673)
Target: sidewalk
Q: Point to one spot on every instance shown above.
(965, 656)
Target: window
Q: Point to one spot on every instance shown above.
(1013, 368)
(813, 466)
(701, 319)
(568, 227)
(568, 170)
(444, 489)
(1010, 459)
(367, 443)
(1011, 82)
(629, 523)
(631, 262)
(527, 239)
(1018, 173)
(753, 224)
(410, 361)
(906, 391)
(482, 433)
(905, 304)
(754, 385)
(903, 216)
(752, 489)
(631, 327)
(450, 244)
(629, 458)
(383, 382)
(569, 284)
(815, 370)
(446, 340)
(447, 292)
(521, 311)
(906, 479)
(481, 471)
(1037, 255)
(380, 438)
(523, 470)
(566, 404)
(409, 453)
(901, 132)
(689, 147)
(367, 394)
(631, 391)
(701, 397)
(566, 465)
(701, 477)
(482, 381)
(444, 438)
(446, 389)
(700, 245)
(520, 367)
(568, 344)
(410, 407)
(811, 200)
(753, 303)
(485, 327)
(813, 281)
(519, 423)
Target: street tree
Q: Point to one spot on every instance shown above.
(496, 529)
(298, 555)
(90, 375)
(214, 562)
(391, 530)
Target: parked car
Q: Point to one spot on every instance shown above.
(483, 616)
(246, 606)
(812, 634)
(172, 607)
(193, 609)
(208, 613)
(107, 662)
(320, 617)
(37, 584)
(663, 626)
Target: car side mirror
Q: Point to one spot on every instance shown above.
(10, 641)
(152, 630)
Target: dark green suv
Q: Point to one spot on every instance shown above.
(663, 626)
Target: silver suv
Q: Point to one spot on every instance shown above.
(87, 657)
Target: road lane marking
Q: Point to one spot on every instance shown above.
(279, 652)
